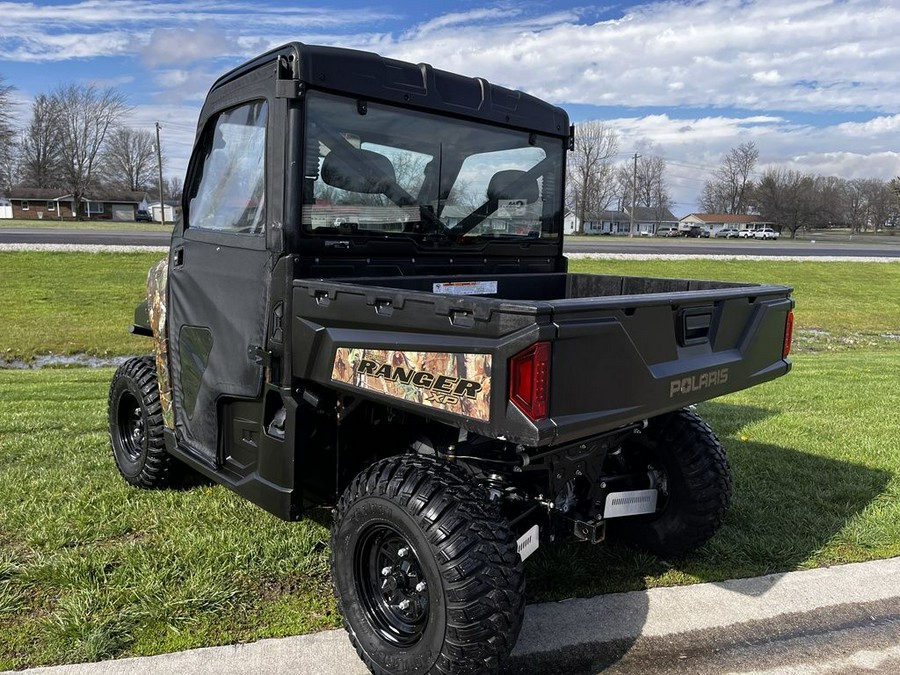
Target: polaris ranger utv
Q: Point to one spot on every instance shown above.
(366, 306)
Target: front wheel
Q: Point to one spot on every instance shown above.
(136, 426)
(691, 471)
(425, 570)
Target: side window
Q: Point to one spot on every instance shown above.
(229, 193)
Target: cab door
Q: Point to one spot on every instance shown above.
(220, 268)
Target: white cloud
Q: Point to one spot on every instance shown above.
(32, 32)
(759, 54)
(767, 77)
(879, 126)
(187, 45)
(847, 164)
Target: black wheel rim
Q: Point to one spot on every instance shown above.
(130, 426)
(391, 585)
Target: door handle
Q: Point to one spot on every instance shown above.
(178, 256)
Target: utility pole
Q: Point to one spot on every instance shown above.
(633, 197)
(162, 204)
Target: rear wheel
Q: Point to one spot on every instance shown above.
(688, 465)
(425, 570)
(136, 425)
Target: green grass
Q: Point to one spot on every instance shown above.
(93, 569)
(104, 225)
(71, 303)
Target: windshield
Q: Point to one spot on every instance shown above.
(377, 171)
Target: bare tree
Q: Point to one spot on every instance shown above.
(128, 160)
(832, 195)
(868, 203)
(650, 184)
(7, 134)
(729, 190)
(173, 187)
(590, 185)
(894, 188)
(87, 115)
(787, 198)
(879, 203)
(40, 158)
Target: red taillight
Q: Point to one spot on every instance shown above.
(529, 380)
(788, 334)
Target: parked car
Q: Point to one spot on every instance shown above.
(727, 233)
(668, 231)
(143, 216)
(765, 233)
(745, 234)
(695, 231)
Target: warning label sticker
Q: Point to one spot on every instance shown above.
(466, 288)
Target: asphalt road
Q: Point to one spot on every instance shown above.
(879, 248)
(91, 237)
(883, 247)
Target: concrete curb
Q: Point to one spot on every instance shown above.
(553, 629)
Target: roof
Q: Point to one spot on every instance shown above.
(642, 214)
(726, 218)
(367, 75)
(649, 214)
(53, 194)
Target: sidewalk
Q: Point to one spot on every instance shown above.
(555, 631)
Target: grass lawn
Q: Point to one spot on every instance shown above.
(71, 303)
(92, 569)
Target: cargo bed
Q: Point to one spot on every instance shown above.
(623, 348)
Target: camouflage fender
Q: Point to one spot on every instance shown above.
(157, 280)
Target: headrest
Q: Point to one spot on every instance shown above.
(502, 186)
(358, 171)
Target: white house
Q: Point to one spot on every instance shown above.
(153, 207)
(646, 222)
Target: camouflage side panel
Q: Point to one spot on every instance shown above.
(157, 279)
(457, 383)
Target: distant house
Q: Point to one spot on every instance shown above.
(646, 222)
(155, 214)
(53, 204)
(717, 221)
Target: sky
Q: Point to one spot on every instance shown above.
(815, 84)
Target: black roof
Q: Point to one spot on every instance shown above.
(374, 77)
(100, 194)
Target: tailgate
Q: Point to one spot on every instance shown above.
(623, 359)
